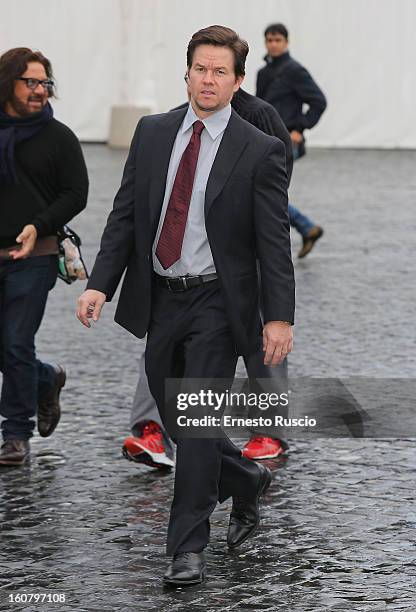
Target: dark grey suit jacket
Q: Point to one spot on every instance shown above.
(245, 216)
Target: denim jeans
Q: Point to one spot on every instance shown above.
(297, 220)
(24, 287)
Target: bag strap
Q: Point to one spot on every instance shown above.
(67, 232)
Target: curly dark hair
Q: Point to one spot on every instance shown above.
(220, 36)
(13, 64)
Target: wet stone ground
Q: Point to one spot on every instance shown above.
(338, 528)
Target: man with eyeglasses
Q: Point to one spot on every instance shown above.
(43, 185)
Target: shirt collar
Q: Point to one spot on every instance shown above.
(215, 124)
(277, 60)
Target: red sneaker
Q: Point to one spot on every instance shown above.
(148, 448)
(263, 448)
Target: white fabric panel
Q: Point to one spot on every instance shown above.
(106, 52)
(80, 37)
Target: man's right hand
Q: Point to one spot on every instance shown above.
(89, 306)
(27, 240)
(296, 136)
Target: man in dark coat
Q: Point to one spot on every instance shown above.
(289, 87)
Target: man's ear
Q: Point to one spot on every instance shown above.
(238, 83)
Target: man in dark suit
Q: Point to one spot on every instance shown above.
(203, 195)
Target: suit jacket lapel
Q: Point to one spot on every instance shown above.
(162, 150)
(233, 143)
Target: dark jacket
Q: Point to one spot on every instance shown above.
(287, 85)
(264, 117)
(52, 184)
(245, 215)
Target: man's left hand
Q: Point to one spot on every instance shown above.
(296, 136)
(277, 342)
(27, 238)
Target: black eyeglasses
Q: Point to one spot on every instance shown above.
(33, 83)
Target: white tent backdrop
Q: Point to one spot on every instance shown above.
(106, 52)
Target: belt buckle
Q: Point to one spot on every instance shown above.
(178, 289)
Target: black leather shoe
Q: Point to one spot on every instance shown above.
(49, 409)
(245, 515)
(14, 452)
(186, 568)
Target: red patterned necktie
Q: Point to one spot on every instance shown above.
(169, 246)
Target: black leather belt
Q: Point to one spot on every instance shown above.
(183, 283)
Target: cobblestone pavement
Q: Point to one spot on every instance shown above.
(338, 531)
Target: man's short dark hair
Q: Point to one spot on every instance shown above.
(277, 28)
(220, 36)
(13, 64)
